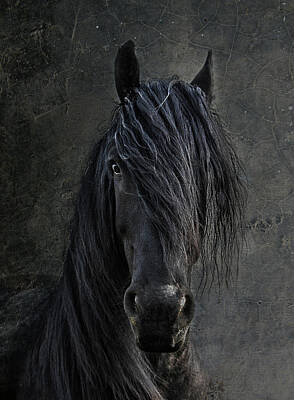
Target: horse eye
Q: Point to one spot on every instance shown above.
(116, 169)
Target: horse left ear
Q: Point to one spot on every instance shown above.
(126, 70)
(204, 77)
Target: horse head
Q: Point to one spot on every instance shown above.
(148, 184)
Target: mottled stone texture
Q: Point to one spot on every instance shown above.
(57, 93)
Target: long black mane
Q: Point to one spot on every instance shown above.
(188, 179)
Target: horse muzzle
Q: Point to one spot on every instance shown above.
(160, 317)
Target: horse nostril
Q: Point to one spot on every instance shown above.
(130, 302)
(189, 305)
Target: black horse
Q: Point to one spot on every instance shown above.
(162, 190)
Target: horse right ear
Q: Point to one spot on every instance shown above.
(126, 70)
(204, 78)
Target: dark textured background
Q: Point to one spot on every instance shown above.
(57, 92)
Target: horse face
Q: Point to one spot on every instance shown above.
(159, 306)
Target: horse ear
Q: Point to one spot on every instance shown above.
(126, 70)
(204, 77)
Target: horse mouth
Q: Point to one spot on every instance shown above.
(161, 343)
(157, 345)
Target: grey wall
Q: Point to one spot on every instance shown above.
(56, 75)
